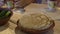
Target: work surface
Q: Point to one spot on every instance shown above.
(10, 28)
(43, 8)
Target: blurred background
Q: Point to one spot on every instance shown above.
(23, 3)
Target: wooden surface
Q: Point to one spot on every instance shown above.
(22, 3)
(11, 29)
(43, 8)
(15, 17)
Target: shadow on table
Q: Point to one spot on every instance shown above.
(49, 32)
(19, 32)
(4, 27)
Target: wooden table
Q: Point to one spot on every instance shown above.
(42, 8)
(11, 28)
